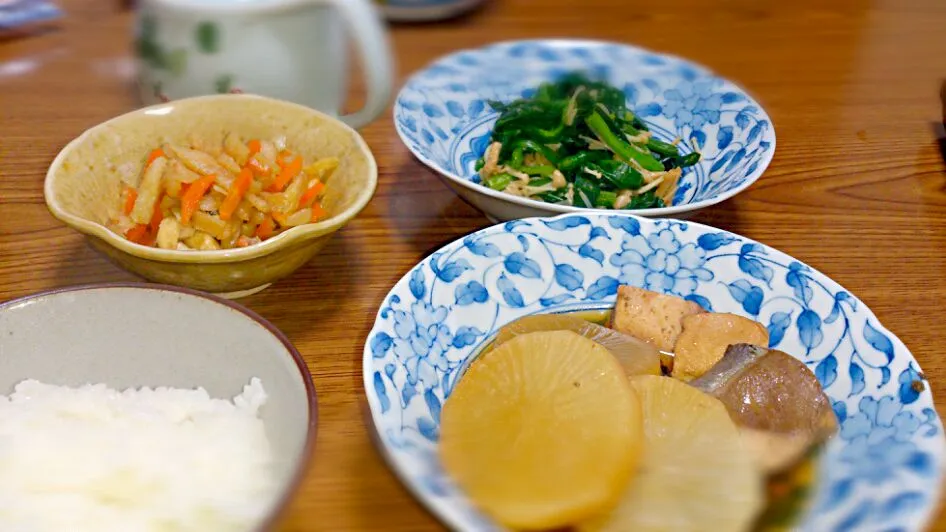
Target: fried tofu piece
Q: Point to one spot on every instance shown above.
(652, 317)
(705, 338)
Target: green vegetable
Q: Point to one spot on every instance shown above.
(646, 200)
(516, 160)
(586, 189)
(609, 122)
(620, 175)
(621, 147)
(575, 162)
(555, 196)
(544, 93)
(560, 123)
(664, 149)
(499, 181)
(542, 170)
(635, 122)
(535, 147)
(606, 199)
(629, 129)
(480, 163)
(689, 159)
(530, 114)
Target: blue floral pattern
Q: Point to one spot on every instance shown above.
(881, 434)
(422, 342)
(442, 116)
(661, 263)
(693, 104)
(882, 471)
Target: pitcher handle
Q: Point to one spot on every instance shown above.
(376, 58)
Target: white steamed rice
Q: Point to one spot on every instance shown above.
(96, 459)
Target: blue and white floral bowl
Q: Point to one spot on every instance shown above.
(442, 115)
(424, 10)
(882, 472)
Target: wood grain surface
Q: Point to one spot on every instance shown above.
(856, 188)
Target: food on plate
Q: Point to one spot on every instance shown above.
(221, 195)
(543, 432)
(96, 458)
(637, 357)
(575, 142)
(775, 398)
(526, 432)
(695, 474)
(774, 452)
(704, 338)
(788, 494)
(650, 316)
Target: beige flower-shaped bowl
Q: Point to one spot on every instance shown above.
(85, 180)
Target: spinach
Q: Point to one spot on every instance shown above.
(584, 129)
(620, 175)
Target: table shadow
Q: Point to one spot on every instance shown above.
(725, 216)
(467, 18)
(322, 284)
(82, 264)
(425, 213)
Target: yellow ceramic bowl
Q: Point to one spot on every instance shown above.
(85, 179)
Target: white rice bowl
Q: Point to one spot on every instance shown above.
(147, 408)
(146, 459)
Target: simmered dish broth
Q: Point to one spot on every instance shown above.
(532, 430)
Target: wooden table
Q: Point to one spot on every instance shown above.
(856, 188)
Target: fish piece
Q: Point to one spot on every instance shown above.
(769, 391)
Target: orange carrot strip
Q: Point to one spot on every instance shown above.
(155, 153)
(149, 239)
(137, 233)
(190, 200)
(288, 172)
(130, 196)
(239, 187)
(308, 197)
(156, 217)
(255, 146)
(317, 212)
(265, 229)
(242, 242)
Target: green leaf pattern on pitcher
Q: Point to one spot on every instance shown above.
(223, 83)
(208, 37)
(151, 51)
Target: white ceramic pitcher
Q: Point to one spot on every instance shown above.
(293, 50)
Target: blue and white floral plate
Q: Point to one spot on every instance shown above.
(442, 115)
(882, 472)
